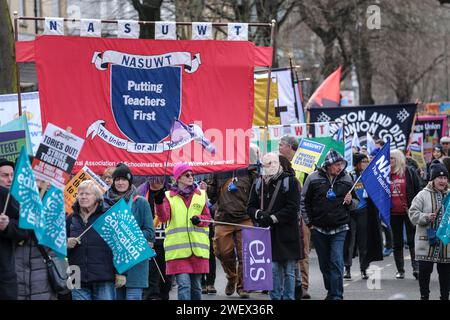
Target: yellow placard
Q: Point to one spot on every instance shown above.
(307, 156)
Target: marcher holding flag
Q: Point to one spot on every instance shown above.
(426, 213)
(187, 243)
(88, 250)
(122, 187)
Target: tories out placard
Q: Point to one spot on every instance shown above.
(56, 156)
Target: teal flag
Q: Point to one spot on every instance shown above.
(24, 189)
(443, 231)
(119, 229)
(51, 230)
(19, 124)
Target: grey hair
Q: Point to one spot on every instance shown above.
(254, 154)
(400, 162)
(290, 141)
(89, 184)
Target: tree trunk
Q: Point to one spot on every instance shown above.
(149, 10)
(7, 52)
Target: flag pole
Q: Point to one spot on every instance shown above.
(232, 224)
(6, 204)
(293, 89)
(79, 237)
(159, 270)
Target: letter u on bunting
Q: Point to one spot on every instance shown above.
(128, 29)
(238, 31)
(165, 30)
(90, 28)
(54, 26)
(202, 31)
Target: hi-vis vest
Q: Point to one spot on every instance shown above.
(183, 239)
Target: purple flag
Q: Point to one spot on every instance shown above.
(257, 259)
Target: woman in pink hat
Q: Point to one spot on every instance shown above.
(186, 245)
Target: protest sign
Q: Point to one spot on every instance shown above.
(71, 189)
(11, 143)
(56, 156)
(307, 156)
(257, 259)
(431, 129)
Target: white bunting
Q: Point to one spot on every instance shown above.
(322, 129)
(90, 28)
(165, 30)
(128, 29)
(202, 31)
(238, 31)
(54, 26)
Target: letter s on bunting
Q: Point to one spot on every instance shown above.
(135, 100)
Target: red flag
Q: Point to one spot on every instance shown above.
(328, 94)
(134, 100)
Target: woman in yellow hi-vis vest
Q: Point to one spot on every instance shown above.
(187, 243)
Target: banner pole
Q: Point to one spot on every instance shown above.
(16, 38)
(79, 237)
(159, 270)
(297, 116)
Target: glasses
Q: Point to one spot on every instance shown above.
(365, 161)
(188, 175)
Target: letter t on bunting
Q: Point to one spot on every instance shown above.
(238, 31)
(165, 30)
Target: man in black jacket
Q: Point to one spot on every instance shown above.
(327, 201)
(9, 235)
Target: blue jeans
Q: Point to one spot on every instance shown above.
(189, 286)
(129, 293)
(283, 274)
(95, 291)
(330, 251)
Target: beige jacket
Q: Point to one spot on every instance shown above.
(424, 203)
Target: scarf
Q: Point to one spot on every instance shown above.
(268, 178)
(115, 196)
(184, 192)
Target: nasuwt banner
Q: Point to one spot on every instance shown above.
(56, 156)
(307, 155)
(431, 129)
(384, 122)
(11, 143)
(257, 258)
(124, 96)
(119, 229)
(71, 189)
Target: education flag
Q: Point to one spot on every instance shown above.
(443, 231)
(119, 229)
(25, 190)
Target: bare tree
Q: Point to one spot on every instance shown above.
(7, 53)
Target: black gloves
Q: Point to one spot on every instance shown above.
(195, 220)
(159, 196)
(263, 218)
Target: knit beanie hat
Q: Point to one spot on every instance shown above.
(122, 171)
(179, 169)
(6, 162)
(332, 157)
(438, 170)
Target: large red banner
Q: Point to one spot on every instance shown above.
(150, 102)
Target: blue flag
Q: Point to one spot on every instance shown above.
(24, 189)
(443, 231)
(348, 154)
(377, 182)
(340, 134)
(51, 230)
(119, 229)
(19, 124)
(355, 140)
